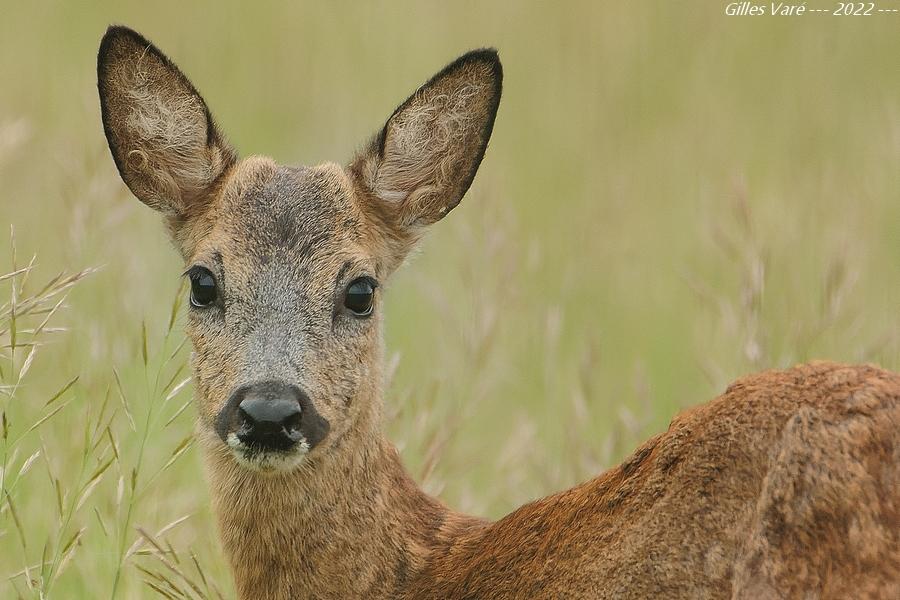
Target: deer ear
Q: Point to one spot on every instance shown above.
(162, 137)
(423, 161)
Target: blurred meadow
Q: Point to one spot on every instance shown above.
(672, 198)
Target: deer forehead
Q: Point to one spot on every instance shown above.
(300, 222)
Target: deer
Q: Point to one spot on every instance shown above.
(787, 485)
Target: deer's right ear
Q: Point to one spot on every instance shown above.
(162, 137)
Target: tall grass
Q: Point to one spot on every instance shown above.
(26, 326)
(671, 199)
(49, 539)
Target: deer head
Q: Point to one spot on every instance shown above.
(287, 263)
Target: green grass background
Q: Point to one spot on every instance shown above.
(672, 198)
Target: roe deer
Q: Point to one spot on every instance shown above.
(785, 486)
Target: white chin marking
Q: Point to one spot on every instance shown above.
(267, 462)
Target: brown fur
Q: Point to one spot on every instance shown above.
(784, 487)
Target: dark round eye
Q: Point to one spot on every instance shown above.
(360, 296)
(203, 287)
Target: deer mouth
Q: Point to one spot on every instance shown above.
(267, 460)
(270, 426)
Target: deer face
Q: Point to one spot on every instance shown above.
(285, 312)
(287, 264)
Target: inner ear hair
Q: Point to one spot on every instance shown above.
(160, 132)
(424, 159)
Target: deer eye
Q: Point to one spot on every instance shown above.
(203, 287)
(360, 296)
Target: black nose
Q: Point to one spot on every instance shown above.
(269, 416)
(269, 424)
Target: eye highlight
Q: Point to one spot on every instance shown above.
(360, 296)
(203, 287)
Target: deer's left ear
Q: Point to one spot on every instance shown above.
(423, 161)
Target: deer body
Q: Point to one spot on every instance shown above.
(786, 485)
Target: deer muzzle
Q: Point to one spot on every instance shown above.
(271, 417)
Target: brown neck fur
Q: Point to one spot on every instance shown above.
(352, 524)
